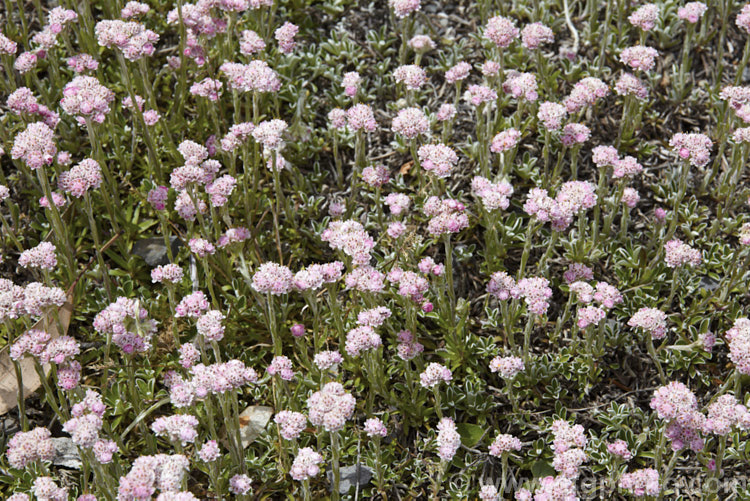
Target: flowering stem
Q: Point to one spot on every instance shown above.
(624, 222)
(604, 40)
(57, 223)
(337, 160)
(652, 352)
(451, 290)
(504, 474)
(613, 208)
(550, 247)
(530, 230)
(277, 348)
(438, 402)
(527, 340)
(685, 63)
(277, 209)
(97, 245)
(306, 495)
(154, 165)
(678, 200)
(335, 465)
(22, 418)
(743, 63)
(597, 208)
(668, 472)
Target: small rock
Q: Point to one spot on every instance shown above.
(66, 453)
(253, 421)
(746, 75)
(10, 426)
(153, 250)
(351, 476)
(709, 283)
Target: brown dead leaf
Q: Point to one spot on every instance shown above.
(31, 382)
(404, 170)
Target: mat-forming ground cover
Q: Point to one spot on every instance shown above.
(478, 250)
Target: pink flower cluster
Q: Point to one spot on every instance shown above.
(569, 444)
(360, 117)
(501, 31)
(411, 123)
(458, 72)
(128, 323)
(738, 338)
(480, 94)
(696, 148)
(629, 85)
(27, 447)
(285, 36)
(327, 359)
(237, 136)
(374, 427)
(408, 347)
(521, 86)
(350, 237)
(575, 134)
(619, 448)
(504, 444)
(42, 256)
(256, 76)
(645, 17)
(132, 38)
(639, 57)
(84, 97)
(85, 176)
(35, 145)
(448, 439)
(692, 11)
(412, 76)
(573, 197)
(376, 176)
(446, 216)
(493, 195)
(315, 275)
(640, 483)
(209, 325)
(651, 320)
(178, 428)
(331, 407)
(677, 253)
(434, 374)
(250, 43)
(281, 366)
(272, 278)
(535, 34)
(170, 273)
(505, 140)
(724, 414)
(677, 405)
(508, 367)
(290, 424)
(743, 19)
(438, 159)
(23, 102)
(362, 338)
(193, 305)
(149, 473)
(307, 464)
(585, 93)
(551, 115)
(403, 8)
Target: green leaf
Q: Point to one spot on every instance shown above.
(541, 469)
(471, 434)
